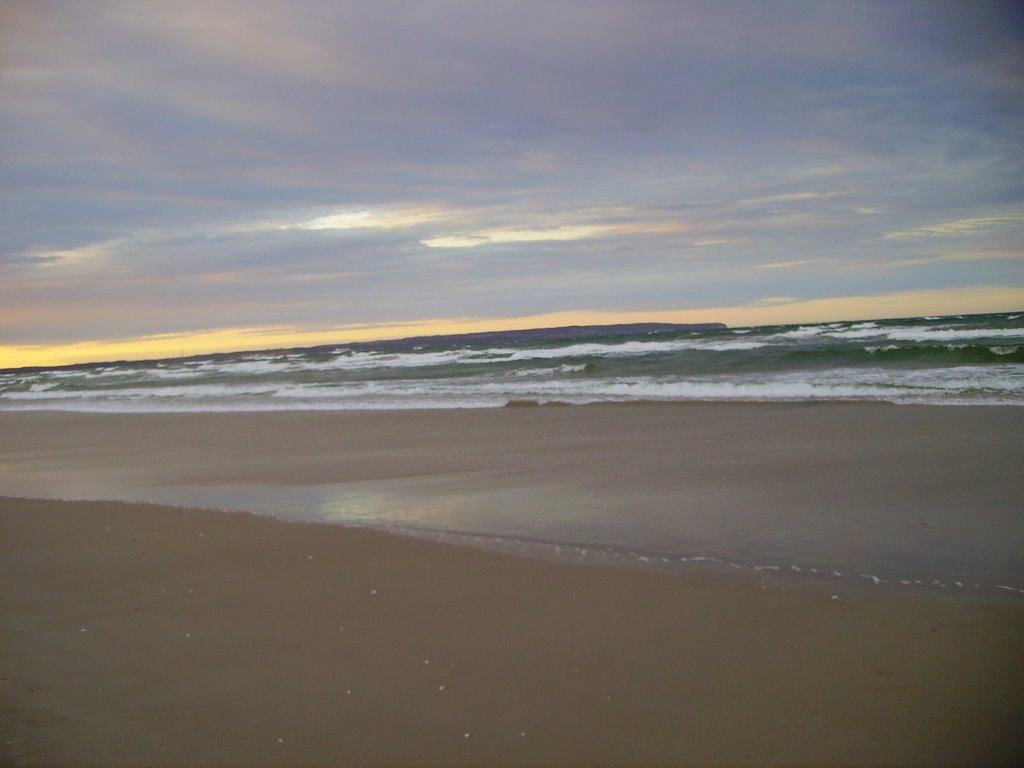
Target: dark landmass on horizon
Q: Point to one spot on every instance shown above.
(566, 333)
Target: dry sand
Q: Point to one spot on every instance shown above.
(137, 635)
(144, 635)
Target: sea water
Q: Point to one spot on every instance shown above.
(953, 360)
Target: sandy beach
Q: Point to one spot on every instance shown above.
(148, 635)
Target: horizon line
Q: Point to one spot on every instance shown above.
(229, 341)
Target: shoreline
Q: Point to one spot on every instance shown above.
(136, 635)
(511, 403)
(910, 495)
(588, 555)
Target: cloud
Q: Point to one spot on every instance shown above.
(960, 227)
(391, 218)
(551, 234)
(717, 241)
(938, 259)
(789, 197)
(174, 167)
(793, 264)
(771, 301)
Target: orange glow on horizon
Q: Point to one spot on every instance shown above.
(776, 311)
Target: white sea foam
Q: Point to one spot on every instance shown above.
(952, 334)
(176, 373)
(370, 360)
(254, 367)
(803, 332)
(64, 374)
(624, 349)
(974, 384)
(729, 346)
(190, 392)
(926, 334)
(110, 370)
(857, 333)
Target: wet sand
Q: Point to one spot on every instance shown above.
(145, 635)
(901, 492)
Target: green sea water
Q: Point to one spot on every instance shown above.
(953, 360)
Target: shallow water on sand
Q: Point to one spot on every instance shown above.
(867, 496)
(878, 551)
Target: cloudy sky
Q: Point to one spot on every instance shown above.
(222, 175)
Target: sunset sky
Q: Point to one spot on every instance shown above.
(208, 176)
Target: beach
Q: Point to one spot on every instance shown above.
(145, 634)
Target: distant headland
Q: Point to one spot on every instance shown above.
(565, 332)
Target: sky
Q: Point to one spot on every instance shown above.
(186, 177)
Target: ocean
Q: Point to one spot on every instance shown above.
(951, 360)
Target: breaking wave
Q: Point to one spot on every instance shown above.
(939, 361)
